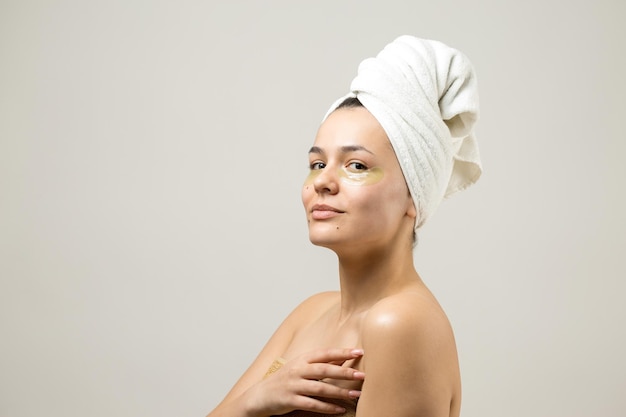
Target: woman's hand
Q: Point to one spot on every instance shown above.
(298, 381)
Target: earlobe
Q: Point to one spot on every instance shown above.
(411, 210)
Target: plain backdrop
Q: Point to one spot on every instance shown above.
(151, 230)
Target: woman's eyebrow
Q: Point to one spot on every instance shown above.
(343, 149)
(354, 148)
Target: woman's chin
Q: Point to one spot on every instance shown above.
(325, 239)
(323, 242)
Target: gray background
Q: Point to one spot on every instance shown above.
(151, 230)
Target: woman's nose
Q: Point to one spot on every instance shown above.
(326, 181)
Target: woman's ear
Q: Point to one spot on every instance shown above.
(411, 210)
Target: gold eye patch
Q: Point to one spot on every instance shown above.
(351, 177)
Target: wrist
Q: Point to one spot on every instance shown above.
(250, 405)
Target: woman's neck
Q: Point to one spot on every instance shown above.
(367, 278)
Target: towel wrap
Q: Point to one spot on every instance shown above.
(425, 96)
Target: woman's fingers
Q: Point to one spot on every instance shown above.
(333, 355)
(321, 398)
(299, 384)
(318, 371)
(322, 389)
(326, 363)
(318, 406)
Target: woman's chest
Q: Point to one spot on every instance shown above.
(324, 334)
(326, 331)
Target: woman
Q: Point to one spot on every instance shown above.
(383, 158)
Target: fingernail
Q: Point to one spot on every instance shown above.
(357, 352)
(354, 394)
(358, 375)
(339, 410)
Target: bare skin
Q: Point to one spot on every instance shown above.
(383, 338)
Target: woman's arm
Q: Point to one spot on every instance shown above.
(292, 386)
(410, 360)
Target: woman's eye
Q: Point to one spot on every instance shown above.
(317, 165)
(357, 166)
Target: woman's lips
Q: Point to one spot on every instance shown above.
(322, 212)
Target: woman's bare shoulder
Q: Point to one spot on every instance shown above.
(321, 298)
(315, 305)
(409, 347)
(410, 315)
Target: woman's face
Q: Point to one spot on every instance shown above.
(355, 193)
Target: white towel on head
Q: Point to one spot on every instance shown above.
(424, 94)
